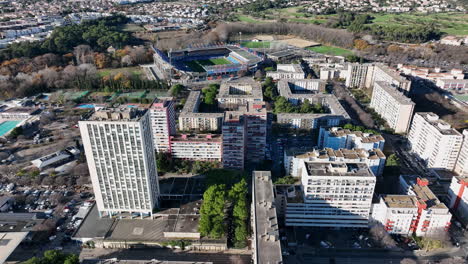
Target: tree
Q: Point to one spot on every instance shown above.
(380, 235)
(16, 132)
(392, 160)
(54, 257)
(176, 89)
(306, 107)
(212, 211)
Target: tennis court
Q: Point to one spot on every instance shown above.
(6, 126)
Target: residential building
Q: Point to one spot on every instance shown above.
(119, 150)
(434, 141)
(332, 194)
(256, 122)
(458, 195)
(234, 137)
(356, 74)
(197, 147)
(296, 91)
(373, 158)
(190, 119)
(266, 245)
(461, 167)
(337, 137)
(383, 73)
(239, 92)
(427, 216)
(18, 113)
(392, 105)
(163, 125)
(287, 71)
(457, 86)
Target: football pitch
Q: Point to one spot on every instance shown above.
(197, 65)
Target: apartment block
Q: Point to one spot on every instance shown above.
(255, 118)
(119, 150)
(296, 91)
(356, 74)
(163, 125)
(393, 106)
(338, 138)
(459, 86)
(234, 138)
(434, 141)
(383, 73)
(190, 119)
(332, 194)
(239, 92)
(266, 244)
(458, 195)
(197, 147)
(293, 158)
(287, 71)
(461, 167)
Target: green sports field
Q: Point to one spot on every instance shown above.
(256, 45)
(197, 65)
(330, 50)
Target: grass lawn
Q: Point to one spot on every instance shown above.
(214, 61)
(450, 23)
(132, 70)
(194, 66)
(330, 50)
(256, 45)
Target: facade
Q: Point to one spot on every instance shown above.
(18, 113)
(197, 147)
(397, 213)
(393, 106)
(234, 137)
(239, 92)
(191, 120)
(458, 195)
(287, 71)
(256, 131)
(374, 158)
(383, 73)
(337, 137)
(434, 141)
(333, 194)
(162, 116)
(459, 86)
(119, 150)
(266, 246)
(356, 74)
(461, 167)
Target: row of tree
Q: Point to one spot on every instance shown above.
(167, 164)
(282, 105)
(54, 257)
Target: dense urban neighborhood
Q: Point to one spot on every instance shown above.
(247, 131)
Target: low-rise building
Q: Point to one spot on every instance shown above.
(266, 245)
(458, 86)
(239, 92)
(190, 119)
(197, 147)
(293, 158)
(393, 106)
(296, 91)
(287, 71)
(56, 159)
(18, 113)
(337, 138)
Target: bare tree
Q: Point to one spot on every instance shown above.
(83, 54)
(380, 235)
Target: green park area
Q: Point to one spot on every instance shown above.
(135, 71)
(256, 45)
(330, 50)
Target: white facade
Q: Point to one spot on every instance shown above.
(434, 141)
(120, 154)
(287, 71)
(458, 195)
(337, 138)
(335, 194)
(461, 167)
(162, 116)
(397, 213)
(356, 74)
(207, 148)
(393, 106)
(383, 73)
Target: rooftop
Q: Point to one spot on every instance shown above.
(348, 154)
(191, 107)
(443, 127)
(328, 100)
(365, 137)
(160, 103)
(296, 68)
(8, 243)
(392, 72)
(117, 114)
(400, 201)
(268, 245)
(241, 88)
(394, 93)
(197, 137)
(301, 88)
(342, 169)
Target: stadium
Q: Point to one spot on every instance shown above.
(206, 62)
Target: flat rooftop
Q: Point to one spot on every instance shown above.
(400, 201)
(365, 137)
(197, 138)
(117, 114)
(191, 106)
(93, 226)
(340, 169)
(443, 127)
(392, 72)
(268, 245)
(294, 68)
(331, 154)
(246, 88)
(300, 88)
(394, 93)
(9, 241)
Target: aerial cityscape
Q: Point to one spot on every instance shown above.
(245, 131)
